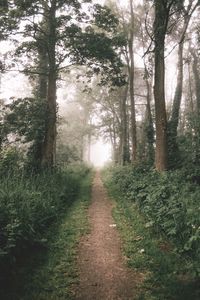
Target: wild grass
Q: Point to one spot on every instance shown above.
(50, 211)
(149, 250)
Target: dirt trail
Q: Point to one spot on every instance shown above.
(103, 274)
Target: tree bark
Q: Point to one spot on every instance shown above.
(43, 68)
(113, 140)
(159, 86)
(196, 80)
(41, 94)
(174, 120)
(131, 86)
(179, 86)
(149, 123)
(191, 102)
(125, 155)
(49, 150)
(89, 146)
(178, 94)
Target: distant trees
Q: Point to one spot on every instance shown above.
(186, 13)
(125, 50)
(171, 21)
(56, 35)
(131, 67)
(164, 13)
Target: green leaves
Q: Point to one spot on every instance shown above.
(26, 118)
(169, 202)
(104, 18)
(28, 205)
(3, 6)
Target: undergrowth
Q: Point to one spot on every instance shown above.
(159, 219)
(30, 210)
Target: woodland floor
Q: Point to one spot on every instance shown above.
(102, 266)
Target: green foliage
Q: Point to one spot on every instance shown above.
(97, 50)
(11, 161)
(48, 270)
(184, 149)
(26, 120)
(29, 204)
(192, 139)
(170, 203)
(67, 154)
(56, 278)
(94, 44)
(156, 265)
(104, 18)
(7, 24)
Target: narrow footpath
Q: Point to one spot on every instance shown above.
(102, 267)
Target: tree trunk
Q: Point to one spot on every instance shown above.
(159, 87)
(178, 94)
(196, 80)
(113, 143)
(41, 94)
(49, 150)
(131, 85)
(174, 121)
(179, 86)
(125, 155)
(149, 124)
(89, 147)
(43, 67)
(191, 102)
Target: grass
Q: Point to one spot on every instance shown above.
(49, 271)
(148, 252)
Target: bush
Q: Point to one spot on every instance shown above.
(30, 204)
(169, 201)
(11, 160)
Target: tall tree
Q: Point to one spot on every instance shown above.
(174, 120)
(148, 127)
(196, 73)
(162, 9)
(125, 155)
(131, 85)
(66, 43)
(49, 148)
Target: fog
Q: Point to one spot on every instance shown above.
(84, 118)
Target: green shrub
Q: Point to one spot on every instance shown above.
(10, 161)
(29, 204)
(170, 203)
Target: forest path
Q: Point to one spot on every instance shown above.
(103, 274)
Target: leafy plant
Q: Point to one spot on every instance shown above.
(30, 204)
(170, 204)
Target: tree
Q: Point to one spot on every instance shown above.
(125, 154)
(148, 125)
(7, 23)
(162, 9)
(58, 42)
(131, 84)
(24, 120)
(196, 73)
(174, 120)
